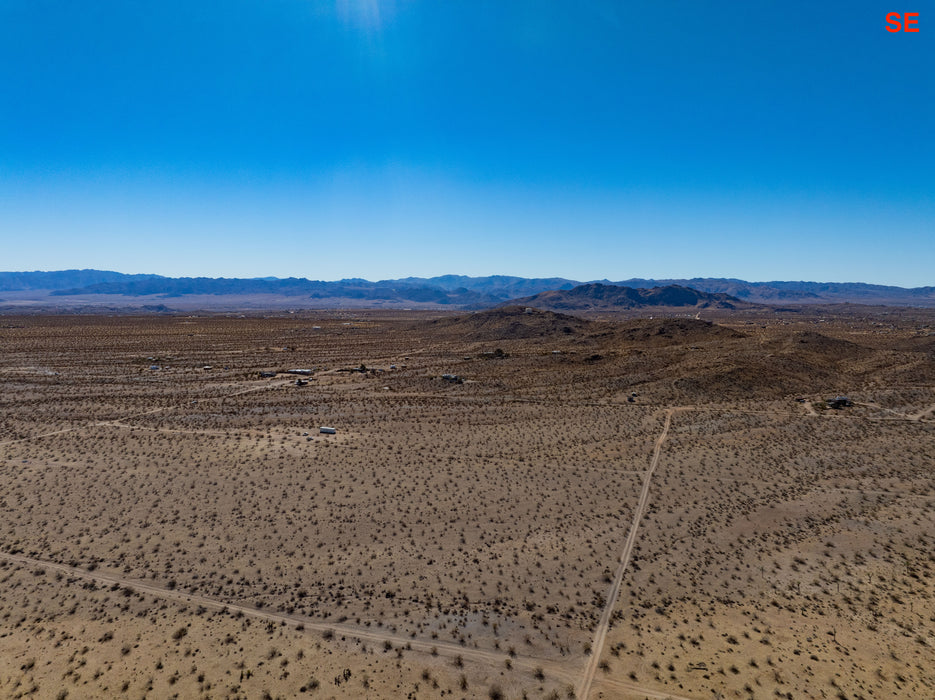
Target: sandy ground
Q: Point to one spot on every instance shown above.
(532, 530)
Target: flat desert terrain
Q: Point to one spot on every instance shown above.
(514, 504)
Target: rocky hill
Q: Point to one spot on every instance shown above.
(511, 323)
(608, 297)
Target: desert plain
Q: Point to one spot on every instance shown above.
(514, 504)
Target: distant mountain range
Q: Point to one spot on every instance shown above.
(64, 279)
(800, 292)
(456, 290)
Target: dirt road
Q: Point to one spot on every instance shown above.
(921, 414)
(433, 647)
(600, 632)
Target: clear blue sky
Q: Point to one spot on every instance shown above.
(362, 138)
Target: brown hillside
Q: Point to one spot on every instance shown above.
(511, 323)
(802, 362)
(673, 330)
(812, 344)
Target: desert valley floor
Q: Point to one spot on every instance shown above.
(514, 504)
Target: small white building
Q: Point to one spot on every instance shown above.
(325, 430)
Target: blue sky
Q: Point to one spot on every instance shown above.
(759, 140)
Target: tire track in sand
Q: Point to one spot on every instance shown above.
(600, 632)
(434, 647)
